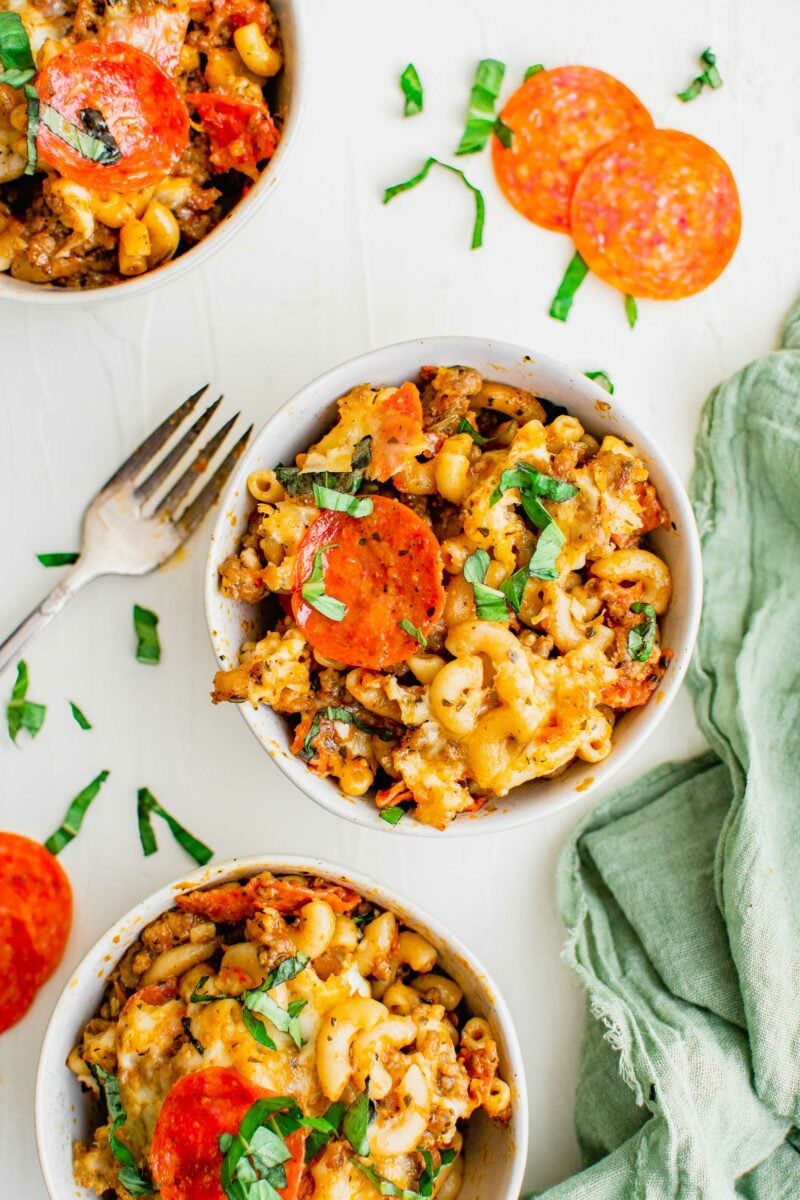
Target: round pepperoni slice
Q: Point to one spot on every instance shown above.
(186, 1159)
(139, 103)
(20, 968)
(657, 215)
(385, 568)
(559, 119)
(36, 879)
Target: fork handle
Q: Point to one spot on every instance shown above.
(76, 578)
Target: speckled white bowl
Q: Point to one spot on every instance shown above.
(310, 412)
(494, 1154)
(291, 98)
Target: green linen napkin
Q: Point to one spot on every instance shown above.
(681, 894)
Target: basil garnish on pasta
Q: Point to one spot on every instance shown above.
(411, 629)
(254, 1156)
(94, 142)
(325, 497)
(313, 591)
(641, 638)
(490, 604)
(356, 1122)
(465, 427)
(145, 626)
(412, 90)
(332, 713)
(256, 1000)
(534, 486)
(392, 815)
(710, 77)
(319, 1138)
(480, 203)
(80, 716)
(481, 116)
(129, 1176)
(300, 483)
(71, 825)
(59, 558)
(631, 311)
(574, 276)
(431, 1172)
(602, 378)
(22, 713)
(16, 55)
(146, 804)
(384, 1187)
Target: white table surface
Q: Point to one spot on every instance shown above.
(321, 273)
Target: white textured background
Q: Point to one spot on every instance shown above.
(324, 272)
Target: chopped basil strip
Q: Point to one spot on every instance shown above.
(339, 714)
(313, 591)
(431, 1173)
(130, 1177)
(514, 588)
(253, 1165)
(145, 625)
(32, 102)
(325, 497)
(574, 276)
(490, 604)
(146, 804)
(544, 560)
(534, 70)
(58, 558)
(71, 825)
(410, 628)
(80, 716)
(480, 204)
(319, 1138)
(22, 713)
(393, 815)
(412, 90)
(533, 484)
(187, 1029)
(504, 133)
(256, 1000)
(15, 47)
(641, 638)
(482, 98)
(198, 996)
(301, 483)
(710, 77)
(257, 1029)
(601, 378)
(356, 1122)
(384, 1187)
(94, 142)
(465, 427)
(631, 311)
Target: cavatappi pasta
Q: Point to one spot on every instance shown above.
(289, 987)
(484, 624)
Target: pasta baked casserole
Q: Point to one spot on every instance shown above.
(282, 1039)
(128, 130)
(456, 591)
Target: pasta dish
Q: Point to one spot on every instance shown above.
(282, 1039)
(128, 130)
(457, 594)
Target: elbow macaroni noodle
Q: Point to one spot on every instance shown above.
(486, 704)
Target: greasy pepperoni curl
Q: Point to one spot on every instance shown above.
(386, 568)
(186, 1159)
(560, 118)
(141, 106)
(33, 884)
(657, 215)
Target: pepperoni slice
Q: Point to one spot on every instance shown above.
(386, 568)
(139, 102)
(560, 118)
(186, 1159)
(160, 33)
(657, 215)
(241, 134)
(223, 905)
(397, 433)
(20, 968)
(32, 875)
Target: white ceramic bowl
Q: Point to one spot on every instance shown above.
(310, 412)
(494, 1154)
(291, 98)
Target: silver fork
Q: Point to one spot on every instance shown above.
(119, 536)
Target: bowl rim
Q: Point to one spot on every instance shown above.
(431, 349)
(39, 293)
(233, 868)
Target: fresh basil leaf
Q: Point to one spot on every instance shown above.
(513, 588)
(480, 203)
(257, 1000)
(601, 378)
(490, 603)
(392, 815)
(412, 90)
(253, 1159)
(15, 46)
(313, 591)
(543, 563)
(145, 625)
(641, 638)
(58, 558)
(709, 78)
(146, 804)
(197, 995)
(267, 1149)
(22, 713)
(287, 969)
(476, 566)
(411, 629)
(692, 91)
(431, 1173)
(133, 1180)
(339, 714)
(482, 98)
(383, 1186)
(325, 497)
(71, 825)
(631, 311)
(534, 70)
(98, 147)
(319, 1137)
(257, 1029)
(548, 486)
(32, 153)
(187, 1029)
(532, 484)
(356, 1121)
(260, 1002)
(465, 427)
(301, 483)
(504, 133)
(80, 716)
(574, 276)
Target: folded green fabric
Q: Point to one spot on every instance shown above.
(681, 894)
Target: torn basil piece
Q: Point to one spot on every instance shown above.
(325, 497)
(602, 378)
(145, 626)
(313, 590)
(58, 558)
(80, 716)
(22, 713)
(534, 70)
(130, 1177)
(480, 203)
(411, 629)
(412, 90)
(465, 427)
(392, 815)
(431, 1172)
(631, 311)
(481, 121)
(709, 78)
(71, 825)
(332, 713)
(146, 804)
(356, 1122)
(320, 1136)
(574, 276)
(301, 483)
(490, 603)
(94, 142)
(641, 638)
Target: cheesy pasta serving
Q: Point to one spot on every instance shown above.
(465, 595)
(282, 1039)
